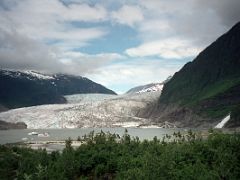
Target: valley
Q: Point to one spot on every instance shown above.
(105, 90)
(86, 110)
(200, 95)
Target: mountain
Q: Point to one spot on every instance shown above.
(206, 89)
(153, 87)
(29, 88)
(146, 88)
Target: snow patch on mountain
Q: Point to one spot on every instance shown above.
(38, 75)
(29, 74)
(154, 88)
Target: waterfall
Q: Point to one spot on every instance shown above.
(223, 122)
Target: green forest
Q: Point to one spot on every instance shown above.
(109, 156)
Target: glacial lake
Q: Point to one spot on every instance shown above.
(13, 136)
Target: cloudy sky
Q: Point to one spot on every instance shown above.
(118, 43)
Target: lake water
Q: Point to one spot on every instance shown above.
(13, 136)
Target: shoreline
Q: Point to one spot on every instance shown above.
(59, 144)
(48, 145)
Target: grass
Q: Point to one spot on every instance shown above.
(210, 92)
(218, 112)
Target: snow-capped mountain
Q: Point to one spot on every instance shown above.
(153, 87)
(28, 88)
(31, 75)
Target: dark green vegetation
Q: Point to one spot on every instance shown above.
(235, 116)
(18, 89)
(210, 84)
(108, 156)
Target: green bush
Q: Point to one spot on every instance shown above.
(108, 156)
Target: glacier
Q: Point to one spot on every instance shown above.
(86, 110)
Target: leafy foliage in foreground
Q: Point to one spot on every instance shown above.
(108, 156)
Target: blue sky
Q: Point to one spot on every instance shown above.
(117, 43)
(117, 39)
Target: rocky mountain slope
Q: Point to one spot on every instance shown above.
(206, 89)
(153, 87)
(29, 88)
(5, 125)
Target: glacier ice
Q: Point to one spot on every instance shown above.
(86, 110)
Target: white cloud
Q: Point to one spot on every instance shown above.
(41, 35)
(74, 39)
(26, 28)
(167, 48)
(51, 20)
(189, 20)
(81, 63)
(121, 77)
(84, 12)
(55, 9)
(129, 15)
(18, 51)
(227, 11)
(179, 29)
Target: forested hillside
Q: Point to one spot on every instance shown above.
(209, 86)
(29, 88)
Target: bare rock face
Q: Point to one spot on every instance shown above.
(234, 118)
(3, 108)
(6, 125)
(181, 117)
